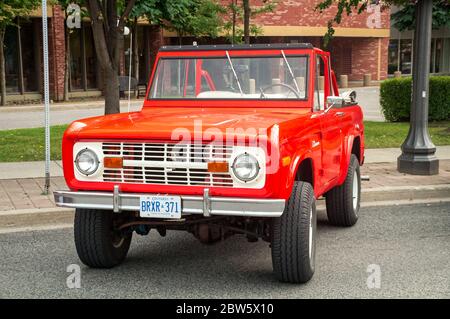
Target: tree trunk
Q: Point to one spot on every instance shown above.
(67, 71)
(2, 69)
(111, 91)
(108, 39)
(246, 4)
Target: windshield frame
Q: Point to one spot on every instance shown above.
(234, 54)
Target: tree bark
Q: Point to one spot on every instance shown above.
(111, 91)
(107, 29)
(2, 68)
(246, 4)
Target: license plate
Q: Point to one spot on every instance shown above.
(160, 206)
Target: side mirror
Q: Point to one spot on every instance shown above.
(334, 101)
(349, 97)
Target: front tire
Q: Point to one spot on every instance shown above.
(294, 237)
(343, 202)
(98, 242)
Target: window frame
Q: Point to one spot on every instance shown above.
(154, 79)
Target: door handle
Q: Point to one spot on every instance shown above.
(340, 114)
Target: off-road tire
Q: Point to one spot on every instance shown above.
(292, 259)
(341, 209)
(96, 245)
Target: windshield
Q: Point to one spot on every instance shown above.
(263, 77)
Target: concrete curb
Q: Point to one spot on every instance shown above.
(26, 218)
(57, 218)
(392, 193)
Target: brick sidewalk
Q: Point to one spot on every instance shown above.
(16, 194)
(27, 193)
(386, 174)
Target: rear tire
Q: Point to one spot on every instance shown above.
(343, 202)
(294, 237)
(99, 244)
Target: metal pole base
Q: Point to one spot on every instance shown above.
(418, 164)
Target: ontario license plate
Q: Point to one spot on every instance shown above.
(160, 206)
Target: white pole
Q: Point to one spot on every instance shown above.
(46, 97)
(129, 71)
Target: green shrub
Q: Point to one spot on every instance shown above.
(395, 98)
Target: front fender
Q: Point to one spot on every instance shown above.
(291, 172)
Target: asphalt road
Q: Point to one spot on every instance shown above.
(368, 98)
(35, 118)
(411, 245)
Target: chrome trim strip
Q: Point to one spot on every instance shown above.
(206, 203)
(116, 199)
(221, 206)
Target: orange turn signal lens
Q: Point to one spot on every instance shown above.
(113, 162)
(218, 167)
(286, 161)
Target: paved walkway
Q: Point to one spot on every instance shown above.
(36, 169)
(385, 155)
(29, 116)
(26, 193)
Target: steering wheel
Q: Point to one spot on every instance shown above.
(263, 95)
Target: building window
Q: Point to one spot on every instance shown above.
(83, 66)
(12, 60)
(393, 56)
(21, 67)
(406, 56)
(436, 60)
(400, 56)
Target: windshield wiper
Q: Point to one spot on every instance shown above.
(290, 71)
(234, 73)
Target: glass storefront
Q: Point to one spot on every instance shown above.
(21, 69)
(406, 53)
(142, 51)
(83, 66)
(30, 63)
(11, 60)
(400, 56)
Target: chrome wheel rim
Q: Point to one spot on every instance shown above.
(311, 244)
(355, 191)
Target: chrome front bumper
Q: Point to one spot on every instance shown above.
(204, 205)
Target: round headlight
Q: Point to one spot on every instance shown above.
(86, 162)
(246, 167)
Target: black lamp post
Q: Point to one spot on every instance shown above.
(418, 151)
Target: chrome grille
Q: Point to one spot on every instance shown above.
(167, 163)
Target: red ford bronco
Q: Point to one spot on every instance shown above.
(230, 140)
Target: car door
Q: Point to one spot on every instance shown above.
(330, 123)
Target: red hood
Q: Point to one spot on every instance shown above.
(159, 123)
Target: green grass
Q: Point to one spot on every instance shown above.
(25, 145)
(382, 135)
(28, 144)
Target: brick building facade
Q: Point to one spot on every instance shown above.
(360, 46)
